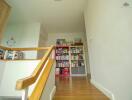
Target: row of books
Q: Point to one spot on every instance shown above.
(63, 64)
(77, 64)
(62, 50)
(77, 57)
(76, 50)
(2, 53)
(62, 57)
(11, 55)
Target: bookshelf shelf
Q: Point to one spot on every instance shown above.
(62, 60)
(61, 46)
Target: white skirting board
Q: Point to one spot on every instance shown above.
(79, 75)
(52, 93)
(104, 90)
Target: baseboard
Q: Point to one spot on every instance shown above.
(108, 93)
(79, 75)
(52, 93)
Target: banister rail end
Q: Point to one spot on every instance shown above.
(19, 85)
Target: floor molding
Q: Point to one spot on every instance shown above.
(78, 75)
(52, 93)
(108, 93)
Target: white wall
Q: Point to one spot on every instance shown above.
(109, 32)
(43, 36)
(51, 37)
(14, 70)
(25, 35)
(2, 66)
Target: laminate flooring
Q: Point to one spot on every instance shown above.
(76, 88)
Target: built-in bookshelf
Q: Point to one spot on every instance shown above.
(11, 55)
(70, 57)
(70, 60)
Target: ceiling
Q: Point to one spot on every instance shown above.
(54, 15)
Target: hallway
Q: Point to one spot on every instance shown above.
(76, 88)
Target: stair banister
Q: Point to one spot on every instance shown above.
(23, 84)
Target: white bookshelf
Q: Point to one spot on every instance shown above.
(77, 61)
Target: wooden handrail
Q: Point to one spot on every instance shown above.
(30, 49)
(24, 49)
(19, 60)
(5, 48)
(38, 90)
(24, 83)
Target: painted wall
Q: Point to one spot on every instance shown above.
(2, 66)
(48, 39)
(43, 36)
(51, 37)
(25, 35)
(11, 75)
(109, 32)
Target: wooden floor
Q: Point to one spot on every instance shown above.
(76, 88)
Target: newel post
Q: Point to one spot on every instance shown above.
(25, 94)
